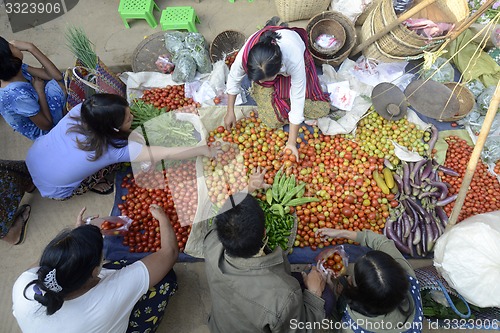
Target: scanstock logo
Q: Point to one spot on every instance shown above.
(27, 14)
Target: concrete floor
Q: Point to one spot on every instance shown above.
(189, 308)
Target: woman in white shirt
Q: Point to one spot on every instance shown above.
(278, 57)
(68, 292)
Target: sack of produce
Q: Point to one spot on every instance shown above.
(194, 40)
(440, 71)
(483, 100)
(185, 67)
(202, 59)
(467, 258)
(174, 41)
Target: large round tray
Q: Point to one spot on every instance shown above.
(147, 52)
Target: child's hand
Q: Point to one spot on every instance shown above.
(22, 46)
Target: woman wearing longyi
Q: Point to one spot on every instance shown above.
(277, 57)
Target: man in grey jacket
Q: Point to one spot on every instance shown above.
(252, 289)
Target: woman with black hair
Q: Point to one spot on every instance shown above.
(381, 292)
(87, 144)
(31, 99)
(71, 291)
(277, 57)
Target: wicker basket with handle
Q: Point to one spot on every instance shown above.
(401, 43)
(294, 10)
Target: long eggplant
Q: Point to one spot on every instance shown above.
(448, 171)
(399, 244)
(433, 139)
(446, 201)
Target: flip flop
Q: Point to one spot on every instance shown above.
(108, 191)
(24, 228)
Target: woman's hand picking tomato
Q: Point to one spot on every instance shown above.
(293, 149)
(229, 119)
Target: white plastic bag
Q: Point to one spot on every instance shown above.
(467, 256)
(350, 8)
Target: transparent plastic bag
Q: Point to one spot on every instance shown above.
(185, 67)
(440, 71)
(202, 59)
(483, 100)
(194, 41)
(174, 41)
(164, 64)
(476, 87)
(333, 259)
(111, 225)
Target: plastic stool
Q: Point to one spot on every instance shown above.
(138, 9)
(182, 17)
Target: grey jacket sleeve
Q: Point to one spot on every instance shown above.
(301, 312)
(381, 243)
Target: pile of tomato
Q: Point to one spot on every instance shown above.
(170, 98)
(482, 196)
(173, 189)
(334, 168)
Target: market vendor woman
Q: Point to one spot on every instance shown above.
(277, 57)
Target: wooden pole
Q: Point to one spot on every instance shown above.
(406, 15)
(474, 158)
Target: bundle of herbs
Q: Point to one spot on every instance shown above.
(81, 46)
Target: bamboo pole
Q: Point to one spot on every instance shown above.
(474, 158)
(406, 15)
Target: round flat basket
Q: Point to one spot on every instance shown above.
(465, 98)
(226, 43)
(327, 27)
(147, 52)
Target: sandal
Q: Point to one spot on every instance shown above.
(24, 229)
(103, 182)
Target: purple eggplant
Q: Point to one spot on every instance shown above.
(391, 235)
(427, 170)
(442, 189)
(448, 171)
(433, 139)
(399, 182)
(417, 236)
(441, 214)
(423, 230)
(417, 168)
(446, 201)
(406, 178)
(407, 225)
(388, 164)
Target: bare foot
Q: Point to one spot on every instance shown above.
(14, 235)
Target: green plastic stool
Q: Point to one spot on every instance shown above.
(176, 18)
(138, 9)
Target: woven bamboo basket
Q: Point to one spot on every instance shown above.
(465, 98)
(226, 43)
(350, 38)
(402, 43)
(329, 27)
(294, 10)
